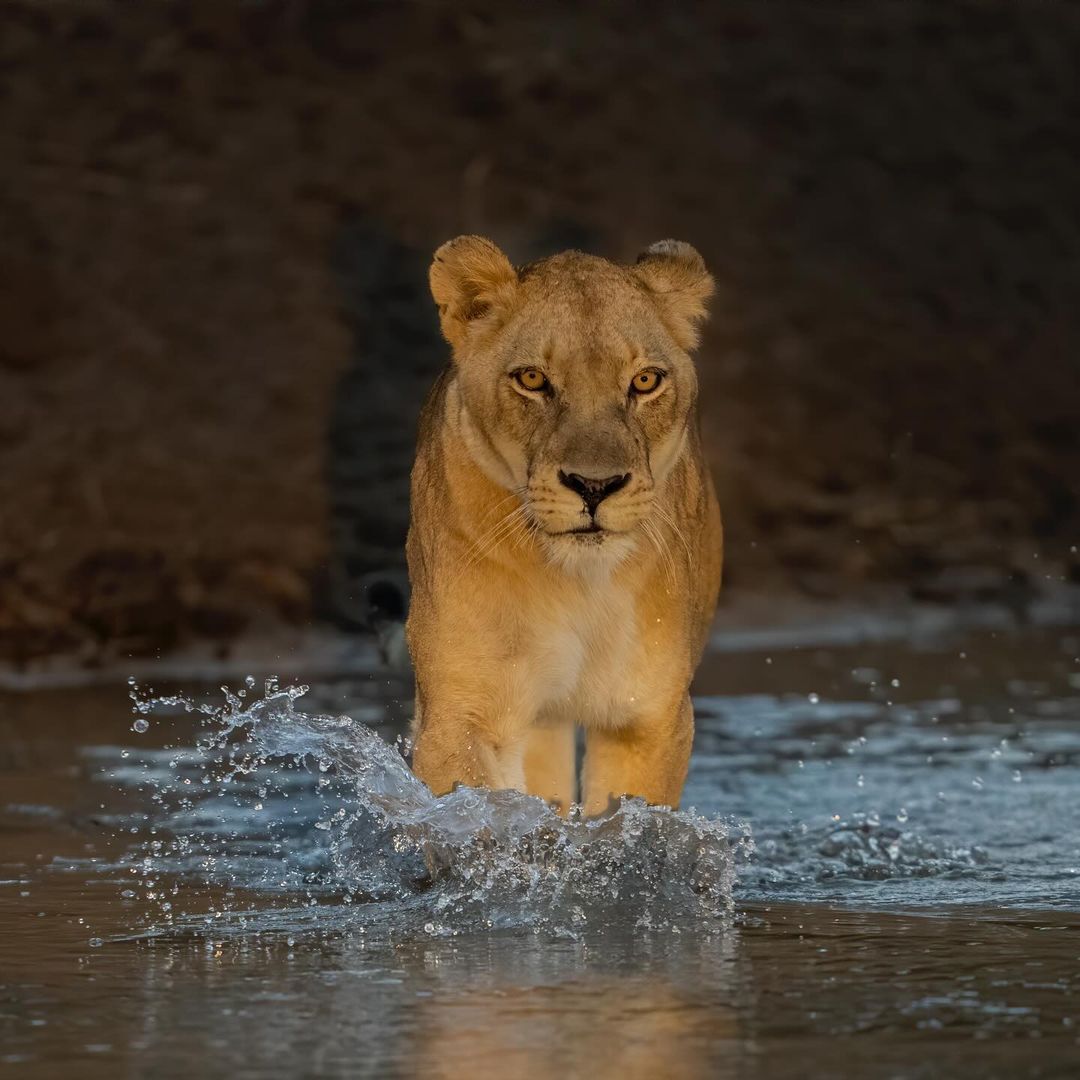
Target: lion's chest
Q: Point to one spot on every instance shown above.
(586, 664)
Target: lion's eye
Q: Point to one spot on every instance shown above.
(531, 378)
(645, 382)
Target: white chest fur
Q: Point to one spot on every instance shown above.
(587, 660)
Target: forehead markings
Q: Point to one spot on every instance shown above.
(589, 309)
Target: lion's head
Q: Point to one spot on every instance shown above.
(576, 389)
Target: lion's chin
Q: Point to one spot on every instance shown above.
(588, 552)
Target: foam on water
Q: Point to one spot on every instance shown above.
(318, 813)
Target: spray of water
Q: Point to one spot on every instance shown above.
(321, 817)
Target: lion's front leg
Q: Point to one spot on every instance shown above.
(471, 745)
(647, 759)
(549, 765)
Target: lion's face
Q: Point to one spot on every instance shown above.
(575, 386)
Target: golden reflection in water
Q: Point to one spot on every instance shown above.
(655, 1010)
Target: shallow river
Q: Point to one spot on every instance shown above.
(876, 872)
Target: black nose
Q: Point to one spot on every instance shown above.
(594, 492)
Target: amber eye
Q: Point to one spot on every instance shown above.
(645, 382)
(531, 378)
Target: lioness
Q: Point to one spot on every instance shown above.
(565, 541)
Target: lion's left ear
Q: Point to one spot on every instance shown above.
(675, 275)
(469, 277)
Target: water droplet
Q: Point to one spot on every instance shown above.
(95, 943)
(1016, 776)
(813, 698)
(859, 780)
(141, 726)
(902, 815)
(977, 783)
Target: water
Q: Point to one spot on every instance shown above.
(876, 872)
(319, 809)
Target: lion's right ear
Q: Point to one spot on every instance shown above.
(469, 278)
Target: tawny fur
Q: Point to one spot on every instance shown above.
(520, 628)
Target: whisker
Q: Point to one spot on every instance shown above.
(657, 541)
(490, 538)
(506, 531)
(674, 526)
(495, 506)
(522, 532)
(495, 536)
(669, 558)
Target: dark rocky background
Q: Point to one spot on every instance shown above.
(215, 220)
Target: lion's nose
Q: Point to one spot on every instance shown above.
(593, 491)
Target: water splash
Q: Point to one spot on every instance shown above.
(859, 850)
(275, 804)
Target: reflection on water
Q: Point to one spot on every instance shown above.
(790, 991)
(272, 894)
(477, 1007)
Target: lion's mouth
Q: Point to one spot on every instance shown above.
(591, 534)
